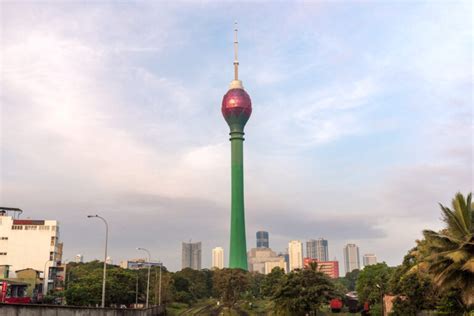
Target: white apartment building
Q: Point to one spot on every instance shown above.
(26, 243)
(295, 253)
(368, 259)
(351, 257)
(78, 258)
(217, 258)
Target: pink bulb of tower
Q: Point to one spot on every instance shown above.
(236, 102)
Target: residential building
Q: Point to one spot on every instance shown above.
(295, 252)
(368, 259)
(78, 258)
(263, 240)
(330, 268)
(217, 258)
(191, 255)
(263, 260)
(29, 244)
(109, 260)
(286, 258)
(317, 249)
(351, 257)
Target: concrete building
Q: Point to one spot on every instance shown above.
(270, 265)
(263, 239)
(351, 257)
(191, 255)
(317, 249)
(368, 259)
(217, 258)
(136, 264)
(78, 258)
(286, 258)
(330, 268)
(295, 253)
(263, 260)
(29, 244)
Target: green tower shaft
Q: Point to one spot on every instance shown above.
(238, 244)
(236, 109)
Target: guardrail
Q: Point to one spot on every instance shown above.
(55, 310)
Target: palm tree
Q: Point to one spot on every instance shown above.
(448, 255)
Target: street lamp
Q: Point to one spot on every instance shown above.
(159, 287)
(382, 303)
(105, 256)
(148, 282)
(45, 287)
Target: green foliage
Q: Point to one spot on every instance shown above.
(448, 255)
(84, 284)
(230, 284)
(372, 282)
(415, 291)
(271, 281)
(303, 291)
(350, 279)
(255, 285)
(191, 285)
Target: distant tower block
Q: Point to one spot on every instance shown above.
(263, 240)
(236, 109)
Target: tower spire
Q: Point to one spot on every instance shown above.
(236, 52)
(236, 83)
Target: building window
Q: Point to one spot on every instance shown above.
(4, 238)
(30, 227)
(44, 228)
(53, 240)
(3, 253)
(17, 227)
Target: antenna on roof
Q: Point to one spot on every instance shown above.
(236, 53)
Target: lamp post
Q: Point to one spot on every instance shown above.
(159, 287)
(148, 282)
(105, 256)
(382, 303)
(45, 286)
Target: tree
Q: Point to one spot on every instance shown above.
(372, 283)
(230, 284)
(415, 292)
(271, 281)
(303, 291)
(448, 255)
(350, 279)
(191, 285)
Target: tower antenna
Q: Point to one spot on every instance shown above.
(236, 51)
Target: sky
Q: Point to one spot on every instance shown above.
(362, 121)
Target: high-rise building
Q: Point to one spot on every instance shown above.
(263, 260)
(218, 258)
(236, 109)
(330, 268)
(317, 249)
(191, 255)
(262, 240)
(27, 243)
(286, 258)
(295, 253)
(368, 259)
(351, 257)
(78, 258)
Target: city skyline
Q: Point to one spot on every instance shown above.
(109, 109)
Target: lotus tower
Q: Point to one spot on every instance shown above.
(236, 109)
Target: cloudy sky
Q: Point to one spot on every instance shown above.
(361, 123)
